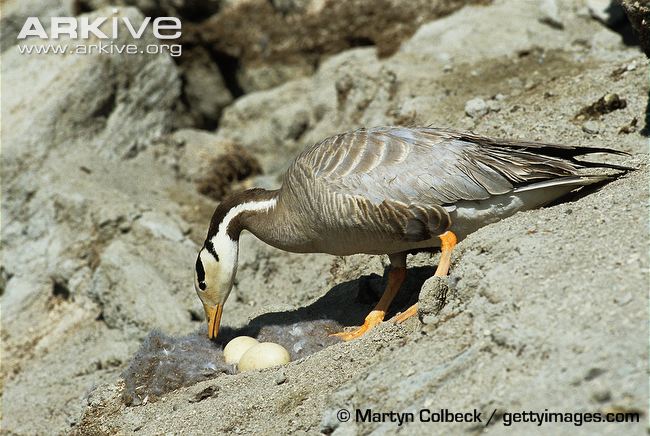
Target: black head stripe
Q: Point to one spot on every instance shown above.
(210, 247)
(200, 272)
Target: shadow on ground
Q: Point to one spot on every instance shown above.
(346, 304)
(165, 363)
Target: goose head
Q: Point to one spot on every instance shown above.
(213, 280)
(216, 264)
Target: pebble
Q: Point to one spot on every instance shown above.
(476, 108)
(330, 421)
(530, 84)
(622, 300)
(280, 378)
(591, 127)
(601, 395)
(494, 105)
(594, 373)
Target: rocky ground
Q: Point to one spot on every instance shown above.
(104, 159)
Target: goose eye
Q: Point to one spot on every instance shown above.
(202, 286)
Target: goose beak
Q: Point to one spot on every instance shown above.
(213, 315)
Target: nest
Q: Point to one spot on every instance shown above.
(166, 363)
(225, 171)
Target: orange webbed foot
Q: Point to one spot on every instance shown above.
(374, 318)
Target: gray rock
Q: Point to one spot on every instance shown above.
(608, 12)
(463, 35)
(639, 15)
(204, 87)
(269, 121)
(278, 40)
(494, 105)
(120, 102)
(195, 150)
(591, 127)
(139, 282)
(71, 207)
(433, 296)
(161, 226)
(330, 421)
(15, 12)
(476, 108)
(601, 395)
(280, 377)
(550, 14)
(291, 6)
(260, 77)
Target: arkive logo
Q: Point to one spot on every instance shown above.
(83, 28)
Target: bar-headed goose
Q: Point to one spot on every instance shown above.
(387, 190)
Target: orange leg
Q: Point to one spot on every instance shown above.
(448, 243)
(396, 277)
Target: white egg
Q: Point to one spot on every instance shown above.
(236, 348)
(264, 355)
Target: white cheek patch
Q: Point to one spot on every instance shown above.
(210, 266)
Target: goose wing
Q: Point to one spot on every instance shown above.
(426, 166)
